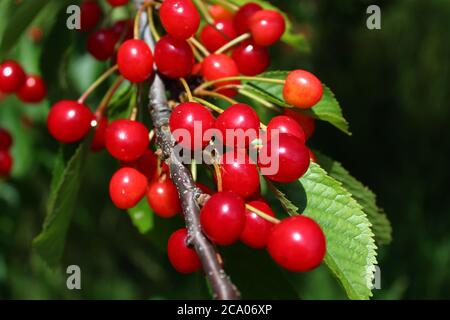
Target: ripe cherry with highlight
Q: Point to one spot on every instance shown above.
(69, 121)
(302, 89)
(127, 187)
(179, 18)
(186, 116)
(126, 140)
(33, 90)
(250, 58)
(222, 217)
(135, 60)
(297, 244)
(12, 76)
(266, 27)
(286, 124)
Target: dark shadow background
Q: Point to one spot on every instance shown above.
(393, 85)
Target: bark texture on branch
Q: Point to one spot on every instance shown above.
(220, 283)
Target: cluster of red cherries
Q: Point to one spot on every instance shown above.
(236, 211)
(27, 88)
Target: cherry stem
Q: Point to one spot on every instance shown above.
(194, 169)
(187, 89)
(218, 176)
(151, 20)
(97, 83)
(233, 42)
(204, 10)
(263, 102)
(262, 214)
(217, 95)
(248, 78)
(199, 46)
(208, 104)
(108, 96)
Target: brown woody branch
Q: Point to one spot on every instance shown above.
(220, 283)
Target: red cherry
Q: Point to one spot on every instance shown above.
(290, 157)
(219, 12)
(297, 244)
(162, 196)
(251, 59)
(256, 229)
(117, 3)
(217, 66)
(126, 140)
(90, 15)
(179, 18)
(302, 89)
(5, 139)
(173, 57)
(127, 187)
(307, 123)
(69, 121)
(12, 76)
(182, 258)
(123, 29)
(147, 164)
(238, 173)
(135, 60)
(286, 124)
(190, 116)
(101, 44)
(6, 163)
(242, 16)
(98, 141)
(266, 27)
(33, 90)
(222, 217)
(234, 122)
(214, 37)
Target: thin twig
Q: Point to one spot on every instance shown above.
(221, 284)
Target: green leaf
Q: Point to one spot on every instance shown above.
(67, 176)
(351, 254)
(121, 104)
(20, 21)
(366, 198)
(327, 109)
(290, 36)
(142, 216)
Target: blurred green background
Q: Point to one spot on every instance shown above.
(393, 85)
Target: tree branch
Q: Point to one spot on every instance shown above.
(220, 283)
